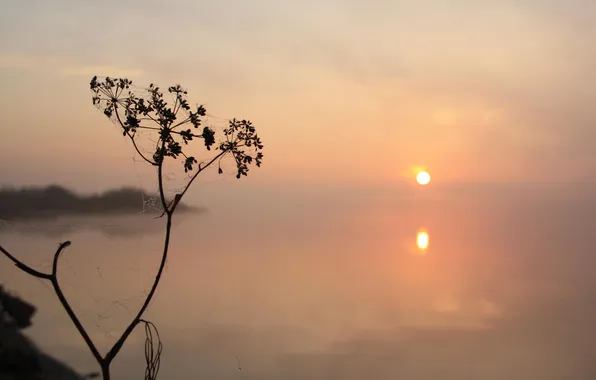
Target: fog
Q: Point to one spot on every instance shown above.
(312, 285)
(309, 268)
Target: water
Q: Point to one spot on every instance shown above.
(324, 290)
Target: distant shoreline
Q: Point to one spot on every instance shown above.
(53, 201)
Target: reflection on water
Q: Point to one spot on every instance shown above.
(422, 240)
(313, 293)
(64, 227)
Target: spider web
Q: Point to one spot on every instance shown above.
(93, 283)
(104, 286)
(175, 179)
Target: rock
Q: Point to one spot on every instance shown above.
(20, 359)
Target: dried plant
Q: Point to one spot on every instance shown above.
(174, 128)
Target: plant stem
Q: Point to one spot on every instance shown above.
(105, 370)
(53, 278)
(120, 342)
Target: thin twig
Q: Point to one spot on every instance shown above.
(129, 329)
(25, 268)
(53, 278)
(134, 143)
(66, 305)
(199, 170)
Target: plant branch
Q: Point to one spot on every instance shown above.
(129, 329)
(134, 143)
(120, 342)
(162, 196)
(156, 110)
(24, 267)
(53, 278)
(66, 305)
(175, 105)
(194, 135)
(199, 170)
(181, 123)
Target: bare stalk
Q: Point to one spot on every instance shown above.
(239, 134)
(120, 342)
(53, 278)
(104, 362)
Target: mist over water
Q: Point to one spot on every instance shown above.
(323, 289)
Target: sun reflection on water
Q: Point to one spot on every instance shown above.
(422, 240)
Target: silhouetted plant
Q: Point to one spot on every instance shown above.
(175, 128)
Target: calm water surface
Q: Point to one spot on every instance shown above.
(303, 290)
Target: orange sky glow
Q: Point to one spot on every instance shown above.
(344, 100)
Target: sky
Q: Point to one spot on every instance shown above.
(495, 98)
(343, 93)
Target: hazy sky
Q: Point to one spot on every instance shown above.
(352, 95)
(341, 91)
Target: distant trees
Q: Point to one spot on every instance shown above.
(173, 127)
(53, 201)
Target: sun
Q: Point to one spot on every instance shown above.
(423, 178)
(422, 240)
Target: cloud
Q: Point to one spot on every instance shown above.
(20, 61)
(104, 70)
(63, 66)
